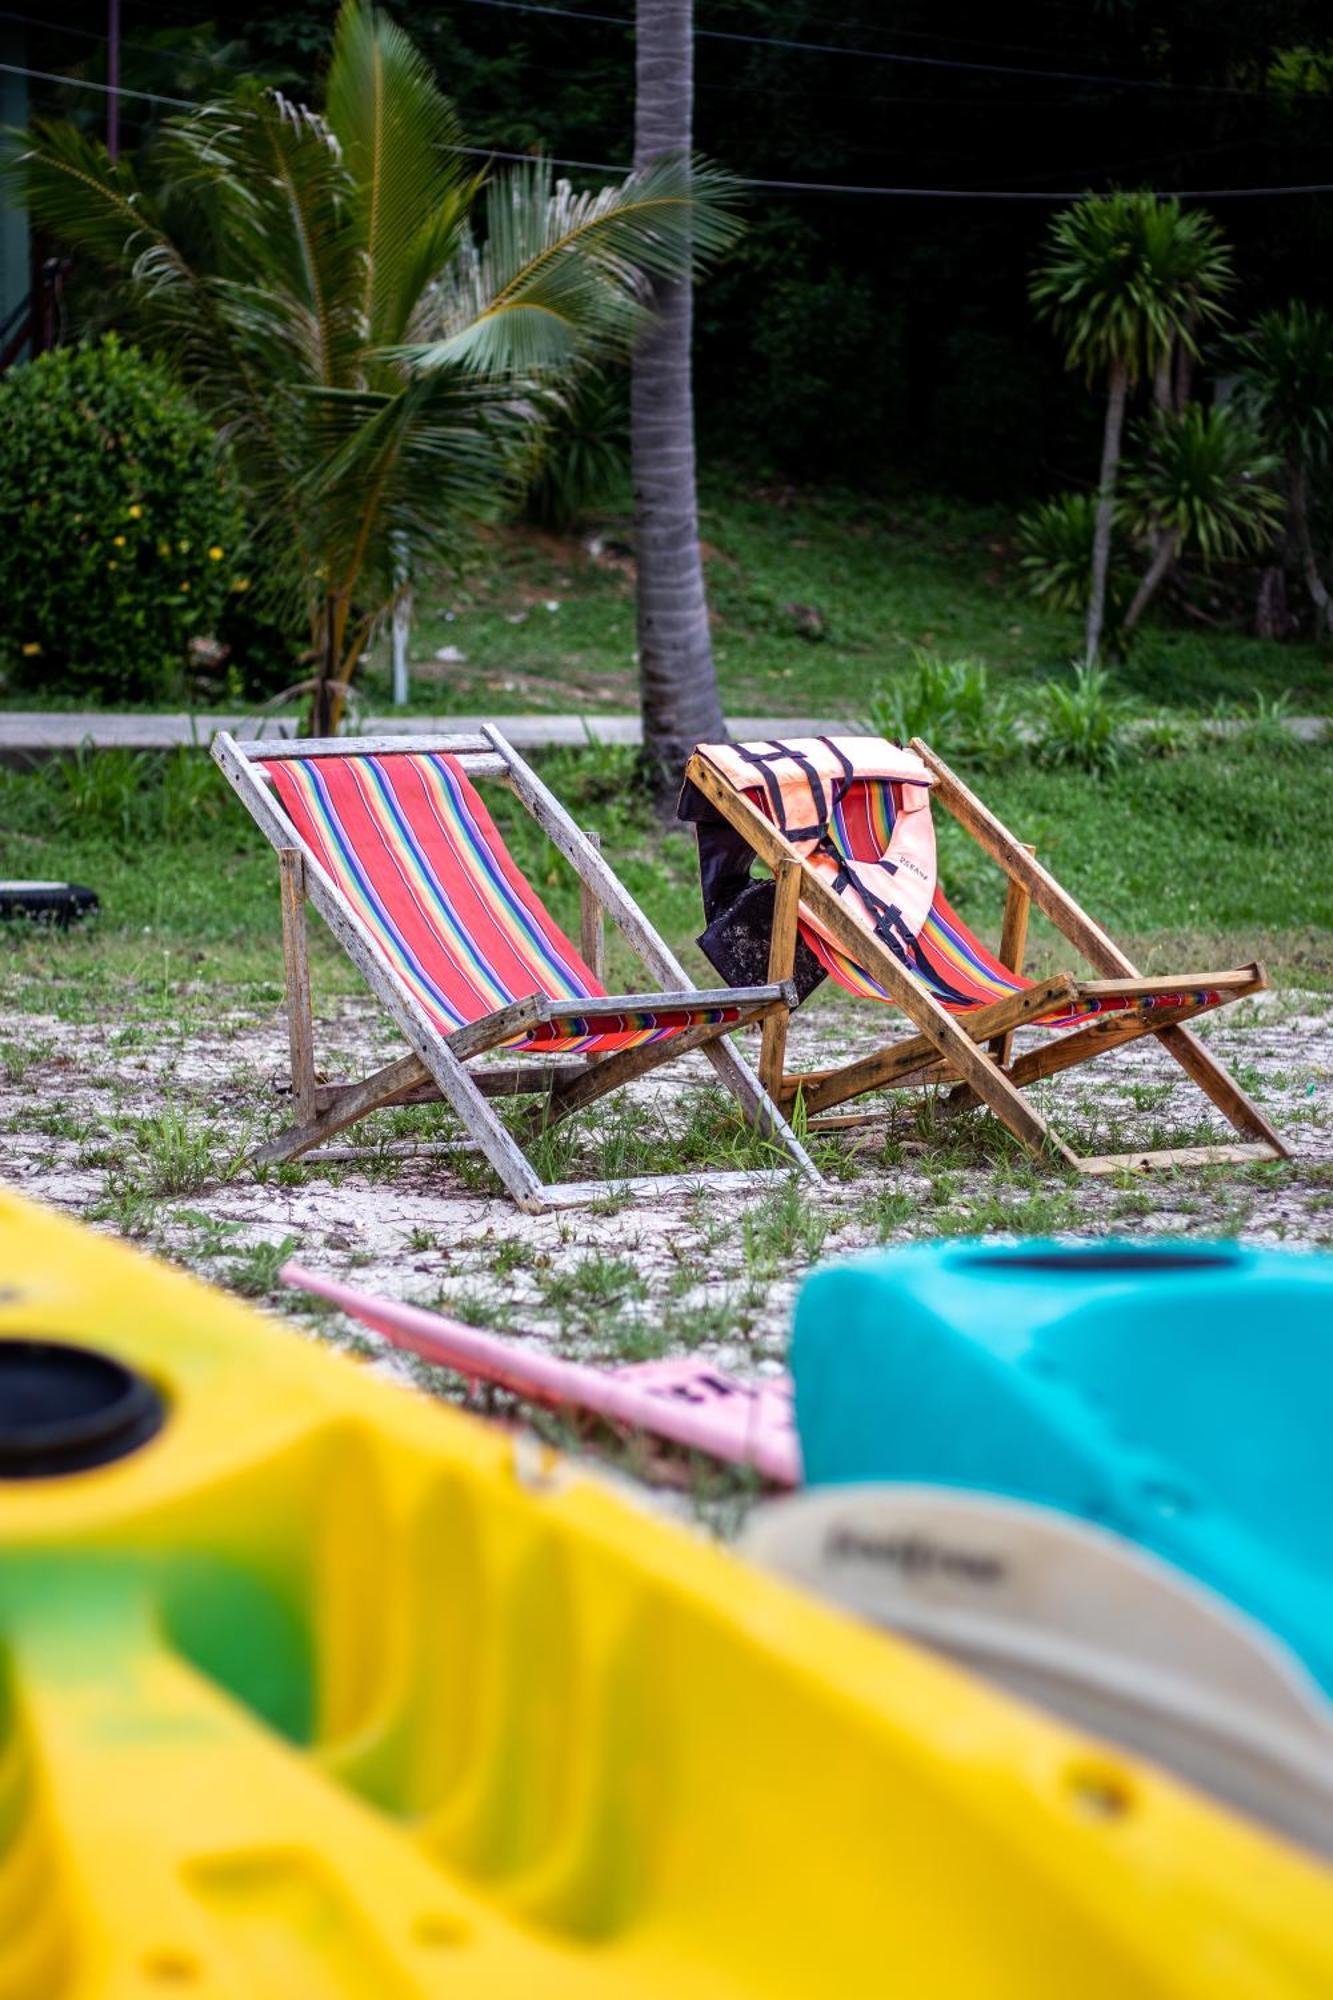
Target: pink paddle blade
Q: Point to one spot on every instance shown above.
(744, 1423)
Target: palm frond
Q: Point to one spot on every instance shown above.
(74, 190)
(1285, 362)
(273, 176)
(564, 275)
(402, 147)
(1204, 477)
(413, 475)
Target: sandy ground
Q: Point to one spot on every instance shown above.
(100, 1124)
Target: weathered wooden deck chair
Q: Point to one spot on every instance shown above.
(392, 844)
(845, 825)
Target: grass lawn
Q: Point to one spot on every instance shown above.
(1221, 849)
(548, 625)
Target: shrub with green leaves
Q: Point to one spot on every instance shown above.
(585, 452)
(1056, 540)
(953, 705)
(1080, 721)
(125, 528)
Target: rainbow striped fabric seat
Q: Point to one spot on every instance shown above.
(414, 851)
(857, 809)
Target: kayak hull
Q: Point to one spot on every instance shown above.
(326, 1690)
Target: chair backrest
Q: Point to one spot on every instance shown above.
(857, 810)
(409, 844)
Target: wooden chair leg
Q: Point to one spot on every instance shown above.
(781, 965)
(387, 1086)
(581, 1088)
(1013, 949)
(296, 959)
(1100, 950)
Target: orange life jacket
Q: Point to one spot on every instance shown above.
(804, 785)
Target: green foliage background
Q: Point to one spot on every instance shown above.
(858, 336)
(123, 536)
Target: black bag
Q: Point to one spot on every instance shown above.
(739, 911)
(736, 943)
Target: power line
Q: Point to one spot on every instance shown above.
(87, 83)
(90, 35)
(1035, 194)
(749, 181)
(935, 35)
(192, 104)
(1099, 78)
(887, 55)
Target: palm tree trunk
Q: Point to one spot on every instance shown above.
(1163, 394)
(1299, 516)
(1101, 539)
(322, 707)
(1164, 554)
(677, 681)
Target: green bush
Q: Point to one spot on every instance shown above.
(1056, 540)
(953, 705)
(125, 535)
(1080, 722)
(131, 799)
(585, 455)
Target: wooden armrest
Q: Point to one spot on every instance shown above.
(1243, 979)
(539, 1010)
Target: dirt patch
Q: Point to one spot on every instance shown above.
(146, 1133)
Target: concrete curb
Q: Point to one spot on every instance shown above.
(34, 733)
(42, 733)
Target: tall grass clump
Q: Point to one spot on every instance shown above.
(1080, 722)
(951, 703)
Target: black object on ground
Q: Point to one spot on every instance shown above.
(57, 903)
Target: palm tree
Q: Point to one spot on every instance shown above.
(678, 692)
(1202, 483)
(1286, 368)
(382, 370)
(1128, 282)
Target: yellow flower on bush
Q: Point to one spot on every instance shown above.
(184, 548)
(136, 512)
(241, 583)
(113, 564)
(31, 649)
(215, 554)
(185, 586)
(118, 541)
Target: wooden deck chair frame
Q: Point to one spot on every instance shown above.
(436, 1068)
(946, 1047)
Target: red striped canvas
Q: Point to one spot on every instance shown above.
(411, 847)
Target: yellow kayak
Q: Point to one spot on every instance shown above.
(316, 1690)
